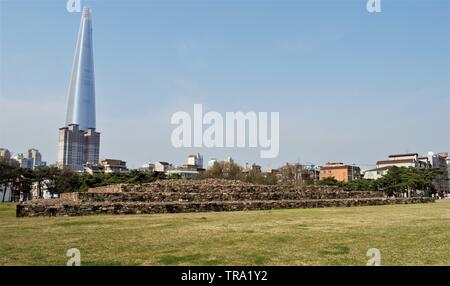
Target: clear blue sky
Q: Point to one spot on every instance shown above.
(349, 85)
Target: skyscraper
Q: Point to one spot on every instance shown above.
(79, 143)
(81, 104)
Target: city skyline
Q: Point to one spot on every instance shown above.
(339, 100)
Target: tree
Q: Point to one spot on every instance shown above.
(224, 170)
(362, 185)
(329, 181)
(63, 181)
(401, 179)
(8, 174)
(23, 184)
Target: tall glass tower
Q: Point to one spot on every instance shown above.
(79, 143)
(81, 103)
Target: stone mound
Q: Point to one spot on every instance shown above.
(173, 196)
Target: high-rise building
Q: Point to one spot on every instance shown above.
(91, 146)
(34, 158)
(30, 159)
(77, 147)
(5, 154)
(81, 103)
(79, 142)
(21, 160)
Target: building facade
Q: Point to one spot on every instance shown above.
(114, 166)
(183, 172)
(147, 168)
(22, 162)
(77, 148)
(413, 160)
(439, 160)
(5, 154)
(409, 160)
(34, 159)
(340, 171)
(30, 159)
(195, 161)
(79, 142)
(162, 167)
(376, 173)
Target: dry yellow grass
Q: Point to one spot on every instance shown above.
(405, 235)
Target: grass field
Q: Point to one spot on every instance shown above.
(405, 235)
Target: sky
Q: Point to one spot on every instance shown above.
(349, 85)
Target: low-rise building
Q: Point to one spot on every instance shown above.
(295, 173)
(195, 160)
(413, 160)
(252, 169)
(184, 173)
(408, 160)
(340, 171)
(92, 169)
(114, 166)
(376, 173)
(162, 167)
(147, 168)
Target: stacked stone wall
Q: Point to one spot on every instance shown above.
(172, 196)
(74, 209)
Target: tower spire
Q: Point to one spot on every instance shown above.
(81, 99)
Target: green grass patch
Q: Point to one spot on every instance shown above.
(417, 234)
(174, 260)
(78, 222)
(336, 250)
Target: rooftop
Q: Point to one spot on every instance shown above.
(403, 155)
(400, 161)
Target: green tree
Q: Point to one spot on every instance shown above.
(223, 170)
(8, 175)
(328, 181)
